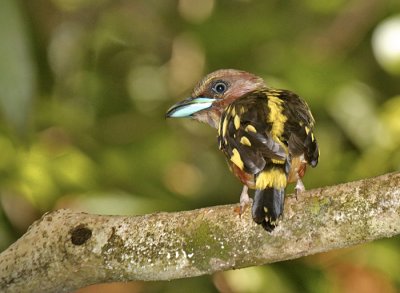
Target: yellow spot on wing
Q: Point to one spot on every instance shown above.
(307, 129)
(312, 136)
(250, 128)
(275, 161)
(244, 140)
(224, 126)
(276, 117)
(236, 159)
(236, 121)
(274, 178)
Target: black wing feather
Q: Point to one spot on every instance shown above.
(253, 112)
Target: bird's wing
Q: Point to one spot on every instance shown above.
(245, 134)
(298, 130)
(266, 126)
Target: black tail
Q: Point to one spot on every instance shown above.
(268, 207)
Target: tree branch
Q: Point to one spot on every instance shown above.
(67, 250)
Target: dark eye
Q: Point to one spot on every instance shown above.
(220, 87)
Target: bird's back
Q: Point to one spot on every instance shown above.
(262, 132)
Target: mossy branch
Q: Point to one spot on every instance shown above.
(66, 250)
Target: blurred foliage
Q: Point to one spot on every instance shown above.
(85, 85)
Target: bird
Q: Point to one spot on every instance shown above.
(266, 135)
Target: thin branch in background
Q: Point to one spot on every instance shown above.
(348, 28)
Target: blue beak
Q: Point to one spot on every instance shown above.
(189, 106)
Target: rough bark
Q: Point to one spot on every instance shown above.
(66, 250)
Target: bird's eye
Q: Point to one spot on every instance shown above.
(220, 87)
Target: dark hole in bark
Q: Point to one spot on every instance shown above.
(80, 235)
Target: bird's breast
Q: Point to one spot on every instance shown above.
(244, 177)
(297, 169)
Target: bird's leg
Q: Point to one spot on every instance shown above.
(299, 188)
(244, 200)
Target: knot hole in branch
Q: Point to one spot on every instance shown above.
(80, 234)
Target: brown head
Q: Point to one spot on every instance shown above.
(214, 93)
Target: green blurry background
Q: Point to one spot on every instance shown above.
(84, 85)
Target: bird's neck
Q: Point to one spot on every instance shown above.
(211, 117)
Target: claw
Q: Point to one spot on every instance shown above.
(299, 188)
(245, 201)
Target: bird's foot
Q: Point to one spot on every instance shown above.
(245, 201)
(299, 188)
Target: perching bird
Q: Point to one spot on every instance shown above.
(266, 135)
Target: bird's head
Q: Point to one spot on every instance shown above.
(214, 93)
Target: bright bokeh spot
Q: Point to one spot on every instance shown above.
(390, 114)
(182, 178)
(257, 279)
(195, 11)
(353, 107)
(186, 64)
(386, 44)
